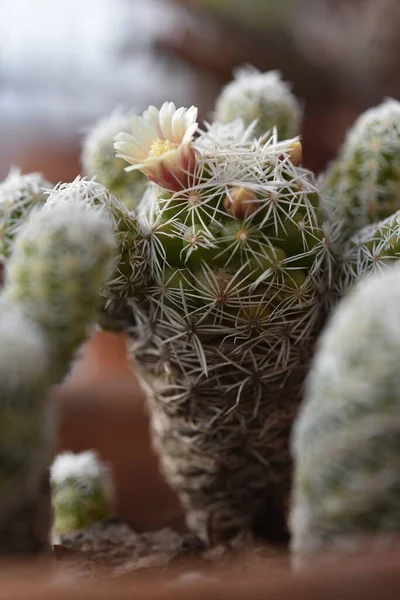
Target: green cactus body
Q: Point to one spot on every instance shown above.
(373, 249)
(262, 97)
(25, 433)
(362, 186)
(82, 491)
(19, 194)
(347, 436)
(61, 259)
(225, 326)
(99, 160)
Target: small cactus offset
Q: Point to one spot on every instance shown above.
(346, 439)
(362, 185)
(82, 491)
(99, 161)
(261, 97)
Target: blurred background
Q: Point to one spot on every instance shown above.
(65, 64)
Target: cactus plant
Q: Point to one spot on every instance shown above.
(362, 185)
(346, 438)
(99, 160)
(224, 327)
(58, 264)
(25, 364)
(224, 274)
(82, 491)
(264, 97)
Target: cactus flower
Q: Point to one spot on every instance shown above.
(160, 145)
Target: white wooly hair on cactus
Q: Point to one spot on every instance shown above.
(80, 225)
(24, 352)
(81, 469)
(253, 95)
(352, 398)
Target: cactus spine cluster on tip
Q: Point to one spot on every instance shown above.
(99, 160)
(263, 97)
(346, 438)
(19, 194)
(82, 491)
(362, 185)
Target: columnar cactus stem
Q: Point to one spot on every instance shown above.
(362, 185)
(25, 433)
(347, 436)
(60, 261)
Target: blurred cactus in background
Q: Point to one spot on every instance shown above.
(346, 439)
(59, 262)
(362, 185)
(99, 160)
(261, 97)
(82, 491)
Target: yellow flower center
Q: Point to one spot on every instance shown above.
(160, 147)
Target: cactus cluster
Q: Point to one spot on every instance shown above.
(82, 491)
(223, 276)
(60, 259)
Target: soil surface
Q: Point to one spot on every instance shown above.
(113, 549)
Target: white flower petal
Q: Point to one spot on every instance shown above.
(189, 134)
(191, 116)
(152, 115)
(166, 114)
(142, 128)
(130, 150)
(178, 125)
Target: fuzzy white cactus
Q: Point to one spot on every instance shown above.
(346, 439)
(82, 491)
(362, 185)
(131, 271)
(263, 97)
(25, 432)
(61, 259)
